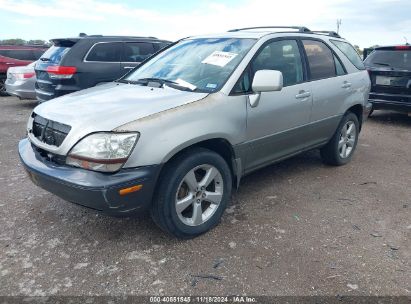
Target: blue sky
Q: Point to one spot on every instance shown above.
(364, 22)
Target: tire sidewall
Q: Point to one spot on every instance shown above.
(348, 117)
(192, 161)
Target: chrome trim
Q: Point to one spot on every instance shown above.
(88, 52)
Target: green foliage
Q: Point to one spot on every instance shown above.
(18, 41)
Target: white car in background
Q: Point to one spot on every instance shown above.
(21, 80)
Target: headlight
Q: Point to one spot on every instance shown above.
(105, 152)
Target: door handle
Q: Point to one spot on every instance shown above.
(303, 94)
(128, 68)
(346, 85)
(9, 63)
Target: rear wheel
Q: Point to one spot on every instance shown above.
(192, 194)
(341, 147)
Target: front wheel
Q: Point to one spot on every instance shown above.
(193, 192)
(340, 149)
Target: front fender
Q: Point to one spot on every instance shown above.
(164, 134)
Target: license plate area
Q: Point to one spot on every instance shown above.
(403, 82)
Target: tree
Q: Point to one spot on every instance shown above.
(37, 41)
(16, 41)
(359, 51)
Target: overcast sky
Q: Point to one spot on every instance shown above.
(364, 22)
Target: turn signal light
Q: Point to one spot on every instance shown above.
(129, 190)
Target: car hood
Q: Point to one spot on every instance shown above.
(109, 106)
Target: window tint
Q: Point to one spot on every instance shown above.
(350, 52)
(137, 51)
(283, 56)
(105, 52)
(320, 59)
(339, 68)
(397, 59)
(55, 54)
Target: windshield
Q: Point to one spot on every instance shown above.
(392, 59)
(201, 65)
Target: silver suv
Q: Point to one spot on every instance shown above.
(176, 134)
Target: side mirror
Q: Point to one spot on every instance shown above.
(267, 81)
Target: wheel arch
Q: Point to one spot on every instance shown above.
(358, 111)
(219, 145)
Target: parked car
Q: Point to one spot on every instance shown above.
(73, 64)
(178, 133)
(390, 72)
(20, 81)
(16, 55)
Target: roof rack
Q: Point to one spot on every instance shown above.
(329, 33)
(302, 29)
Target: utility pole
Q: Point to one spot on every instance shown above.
(338, 25)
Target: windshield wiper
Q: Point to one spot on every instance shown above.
(382, 63)
(162, 82)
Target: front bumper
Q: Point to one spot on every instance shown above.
(95, 190)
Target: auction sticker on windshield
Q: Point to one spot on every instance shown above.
(219, 58)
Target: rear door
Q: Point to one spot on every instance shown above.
(331, 88)
(390, 73)
(134, 53)
(101, 64)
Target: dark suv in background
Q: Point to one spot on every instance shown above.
(73, 64)
(17, 55)
(390, 72)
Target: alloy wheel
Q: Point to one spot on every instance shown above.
(199, 195)
(347, 139)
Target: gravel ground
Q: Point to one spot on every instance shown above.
(295, 228)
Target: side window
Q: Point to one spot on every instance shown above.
(350, 52)
(283, 56)
(137, 51)
(105, 52)
(320, 59)
(339, 68)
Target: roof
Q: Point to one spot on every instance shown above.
(259, 32)
(101, 37)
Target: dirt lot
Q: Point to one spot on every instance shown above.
(295, 228)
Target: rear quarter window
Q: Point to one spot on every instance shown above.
(349, 51)
(105, 52)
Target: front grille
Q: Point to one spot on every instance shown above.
(48, 156)
(48, 131)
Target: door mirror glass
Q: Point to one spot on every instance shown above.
(267, 81)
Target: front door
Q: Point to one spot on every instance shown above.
(278, 125)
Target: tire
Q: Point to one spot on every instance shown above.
(372, 111)
(3, 87)
(181, 181)
(333, 153)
